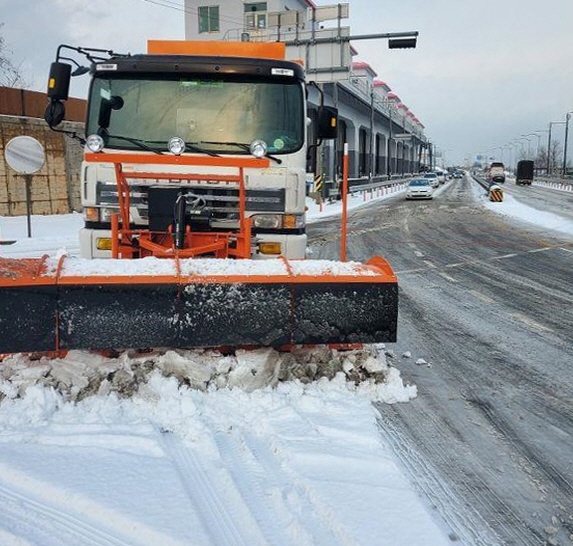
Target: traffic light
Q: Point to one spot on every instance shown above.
(402, 43)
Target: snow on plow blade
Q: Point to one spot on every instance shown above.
(48, 304)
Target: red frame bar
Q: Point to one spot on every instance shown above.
(195, 243)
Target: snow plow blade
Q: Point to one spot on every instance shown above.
(48, 304)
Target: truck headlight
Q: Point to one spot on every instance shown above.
(278, 221)
(258, 148)
(105, 214)
(94, 143)
(267, 221)
(176, 145)
(99, 214)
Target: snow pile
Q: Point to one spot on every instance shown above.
(81, 374)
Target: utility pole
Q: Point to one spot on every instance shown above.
(371, 147)
(567, 118)
(551, 123)
(548, 148)
(389, 156)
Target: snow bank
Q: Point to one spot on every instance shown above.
(81, 374)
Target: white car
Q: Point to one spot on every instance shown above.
(420, 188)
(433, 179)
(441, 177)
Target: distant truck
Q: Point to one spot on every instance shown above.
(524, 172)
(496, 172)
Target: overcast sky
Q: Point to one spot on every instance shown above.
(484, 73)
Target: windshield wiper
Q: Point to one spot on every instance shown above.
(145, 145)
(139, 143)
(192, 147)
(242, 146)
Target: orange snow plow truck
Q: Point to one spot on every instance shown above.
(193, 191)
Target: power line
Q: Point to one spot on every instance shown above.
(177, 7)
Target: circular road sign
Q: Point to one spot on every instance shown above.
(25, 155)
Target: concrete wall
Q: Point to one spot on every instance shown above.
(55, 189)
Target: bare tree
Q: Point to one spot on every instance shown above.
(10, 74)
(550, 164)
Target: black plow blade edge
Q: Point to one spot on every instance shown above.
(121, 316)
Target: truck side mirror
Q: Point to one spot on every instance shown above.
(327, 123)
(59, 81)
(107, 105)
(55, 113)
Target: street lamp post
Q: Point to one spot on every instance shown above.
(512, 154)
(528, 145)
(537, 145)
(371, 146)
(548, 148)
(567, 118)
(551, 123)
(389, 144)
(536, 133)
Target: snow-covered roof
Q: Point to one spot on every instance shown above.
(362, 66)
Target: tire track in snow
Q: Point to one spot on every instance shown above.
(257, 488)
(53, 516)
(219, 505)
(274, 497)
(246, 499)
(313, 518)
(48, 525)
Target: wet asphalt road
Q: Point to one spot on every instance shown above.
(486, 334)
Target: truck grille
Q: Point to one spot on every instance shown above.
(220, 202)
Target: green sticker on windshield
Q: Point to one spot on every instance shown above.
(278, 144)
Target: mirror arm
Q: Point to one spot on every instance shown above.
(88, 53)
(71, 134)
(320, 91)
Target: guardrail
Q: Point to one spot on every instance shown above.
(551, 183)
(331, 190)
(554, 184)
(485, 184)
(495, 191)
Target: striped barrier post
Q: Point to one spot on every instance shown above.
(495, 194)
(318, 189)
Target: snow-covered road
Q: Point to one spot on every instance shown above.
(156, 449)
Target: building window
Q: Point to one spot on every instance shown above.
(256, 15)
(208, 19)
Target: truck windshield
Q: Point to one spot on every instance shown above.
(211, 113)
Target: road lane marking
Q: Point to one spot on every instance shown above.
(467, 263)
(530, 322)
(540, 249)
(447, 277)
(406, 271)
(505, 256)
